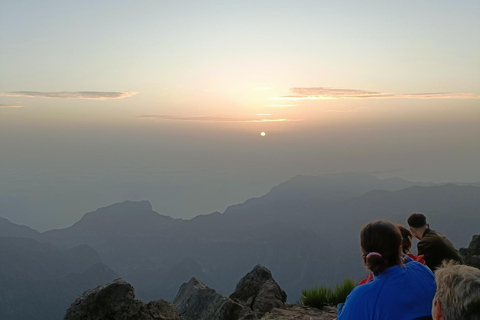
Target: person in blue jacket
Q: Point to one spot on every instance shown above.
(398, 291)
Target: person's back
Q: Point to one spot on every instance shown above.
(435, 248)
(398, 293)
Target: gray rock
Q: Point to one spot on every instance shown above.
(196, 301)
(269, 297)
(116, 301)
(258, 291)
(295, 312)
(471, 255)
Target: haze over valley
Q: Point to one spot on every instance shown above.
(305, 230)
(160, 140)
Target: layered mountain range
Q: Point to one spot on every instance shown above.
(304, 230)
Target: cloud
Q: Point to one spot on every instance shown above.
(4, 106)
(90, 95)
(321, 93)
(280, 105)
(213, 118)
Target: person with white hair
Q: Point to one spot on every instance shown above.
(458, 292)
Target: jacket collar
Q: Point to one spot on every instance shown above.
(426, 231)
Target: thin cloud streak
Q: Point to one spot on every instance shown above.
(213, 118)
(281, 105)
(3, 106)
(88, 95)
(321, 93)
(273, 120)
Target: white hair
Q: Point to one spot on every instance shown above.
(458, 290)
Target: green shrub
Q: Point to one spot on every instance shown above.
(343, 290)
(321, 296)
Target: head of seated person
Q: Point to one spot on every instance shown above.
(381, 244)
(458, 292)
(406, 238)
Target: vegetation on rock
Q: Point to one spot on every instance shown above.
(322, 296)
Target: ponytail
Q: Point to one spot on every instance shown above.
(375, 262)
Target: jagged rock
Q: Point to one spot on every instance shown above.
(196, 301)
(258, 291)
(471, 254)
(295, 312)
(116, 301)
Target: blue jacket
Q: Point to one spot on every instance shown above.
(398, 293)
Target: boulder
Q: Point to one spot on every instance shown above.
(196, 301)
(258, 291)
(116, 301)
(295, 312)
(471, 255)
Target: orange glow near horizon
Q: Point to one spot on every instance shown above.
(271, 120)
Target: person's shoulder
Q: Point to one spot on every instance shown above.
(417, 267)
(360, 292)
(360, 299)
(434, 233)
(365, 289)
(437, 238)
(430, 236)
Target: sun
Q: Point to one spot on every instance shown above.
(263, 134)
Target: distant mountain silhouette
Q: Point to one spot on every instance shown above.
(331, 186)
(128, 218)
(39, 281)
(444, 197)
(304, 230)
(10, 229)
(305, 238)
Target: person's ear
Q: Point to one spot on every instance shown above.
(428, 226)
(438, 310)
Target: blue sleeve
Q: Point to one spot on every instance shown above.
(357, 305)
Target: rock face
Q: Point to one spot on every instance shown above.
(259, 292)
(472, 253)
(255, 295)
(116, 301)
(295, 312)
(196, 301)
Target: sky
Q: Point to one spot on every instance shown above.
(105, 101)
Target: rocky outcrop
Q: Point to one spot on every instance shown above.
(255, 295)
(471, 255)
(117, 301)
(258, 291)
(295, 312)
(196, 301)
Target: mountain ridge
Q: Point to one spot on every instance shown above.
(307, 239)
